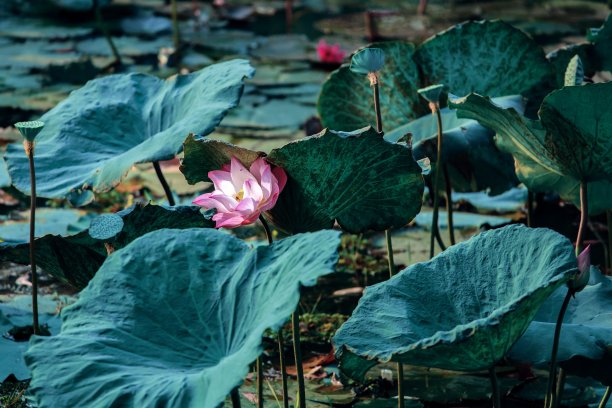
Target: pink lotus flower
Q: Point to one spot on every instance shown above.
(330, 53)
(242, 194)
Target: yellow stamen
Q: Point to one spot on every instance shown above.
(240, 195)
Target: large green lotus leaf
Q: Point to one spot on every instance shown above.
(355, 178)
(474, 162)
(175, 319)
(75, 259)
(586, 335)
(572, 141)
(601, 39)
(463, 309)
(487, 57)
(346, 101)
(93, 138)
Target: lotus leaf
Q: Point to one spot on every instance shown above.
(561, 57)
(601, 39)
(93, 138)
(463, 309)
(487, 57)
(469, 150)
(75, 259)
(182, 319)
(585, 345)
(355, 178)
(571, 142)
(346, 102)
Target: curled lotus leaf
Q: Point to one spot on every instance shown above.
(182, 318)
(571, 142)
(585, 345)
(93, 138)
(357, 179)
(491, 58)
(463, 309)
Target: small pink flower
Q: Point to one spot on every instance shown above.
(330, 53)
(242, 194)
(581, 279)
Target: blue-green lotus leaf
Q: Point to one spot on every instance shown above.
(346, 101)
(29, 130)
(463, 309)
(367, 60)
(106, 226)
(561, 57)
(601, 39)
(487, 57)
(75, 259)
(93, 138)
(468, 149)
(586, 335)
(572, 141)
(174, 319)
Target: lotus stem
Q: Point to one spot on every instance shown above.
(552, 376)
(400, 367)
(176, 34)
(373, 77)
(529, 208)
(449, 204)
(109, 39)
(235, 395)
(435, 109)
(281, 343)
(164, 183)
(495, 395)
(288, 15)
(584, 215)
(29, 150)
(560, 387)
(606, 397)
(297, 350)
(260, 381)
(609, 219)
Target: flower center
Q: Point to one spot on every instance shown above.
(239, 195)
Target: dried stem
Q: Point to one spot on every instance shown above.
(529, 208)
(609, 219)
(260, 380)
(176, 34)
(552, 376)
(109, 39)
(29, 150)
(400, 367)
(235, 395)
(164, 183)
(373, 77)
(606, 397)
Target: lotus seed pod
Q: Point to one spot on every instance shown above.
(431, 93)
(368, 60)
(30, 130)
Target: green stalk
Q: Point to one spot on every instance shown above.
(606, 397)
(297, 350)
(281, 342)
(560, 387)
(609, 219)
(106, 33)
(552, 376)
(29, 150)
(235, 395)
(529, 208)
(164, 183)
(260, 380)
(379, 128)
(449, 204)
(436, 183)
(495, 395)
(176, 34)
(400, 367)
